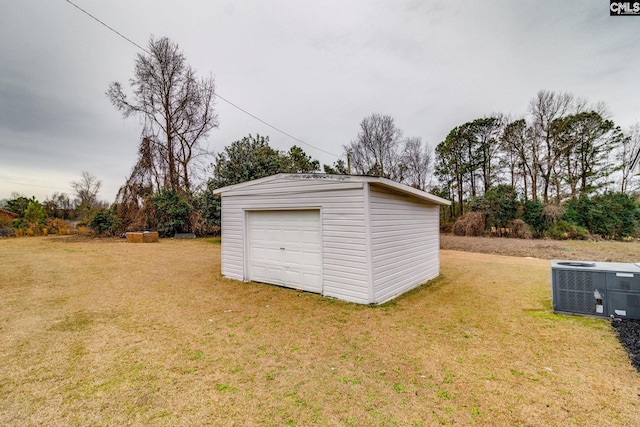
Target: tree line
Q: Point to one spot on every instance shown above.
(537, 168)
(562, 149)
(55, 213)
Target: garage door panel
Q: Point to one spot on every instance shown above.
(285, 248)
(293, 276)
(272, 234)
(313, 281)
(310, 237)
(311, 261)
(291, 257)
(291, 237)
(265, 255)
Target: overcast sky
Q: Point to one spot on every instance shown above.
(314, 69)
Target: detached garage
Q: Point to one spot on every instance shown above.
(357, 238)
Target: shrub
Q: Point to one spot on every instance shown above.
(611, 215)
(35, 213)
(7, 231)
(460, 226)
(500, 206)
(520, 229)
(136, 214)
(533, 214)
(201, 227)
(172, 212)
(6, 228)
(32, 223)
(446, 227)
(59, 226)
(471, 224)
(551, 214)
(563, 230)
(105, 222)
(209, 206)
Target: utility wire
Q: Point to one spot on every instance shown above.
(216, 93)
(273, 127)
(35, 185)
(110, 28)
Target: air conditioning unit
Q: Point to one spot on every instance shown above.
(600, 289)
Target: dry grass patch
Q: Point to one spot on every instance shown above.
(108, 333)
(605, 251)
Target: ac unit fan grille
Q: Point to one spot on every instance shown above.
(575, 302)
(575, 280)
(575, 291)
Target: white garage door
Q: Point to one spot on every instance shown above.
(285, 248)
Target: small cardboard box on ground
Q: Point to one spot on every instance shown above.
(142, 237)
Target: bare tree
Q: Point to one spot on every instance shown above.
(176, 108)
(380, 150)
(86, 189)
(418, 163)
(376, 150)
(546, 107)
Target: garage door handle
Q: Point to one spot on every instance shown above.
(282, 249)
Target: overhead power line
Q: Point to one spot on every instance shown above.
(109, 27)
(273, 127)
(217, 93)
(35, 185)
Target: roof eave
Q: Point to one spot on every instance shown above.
(246, 184)
(402, 188)
(410, 190)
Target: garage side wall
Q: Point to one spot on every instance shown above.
(405, 243)
(345, 273)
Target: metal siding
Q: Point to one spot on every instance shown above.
(306, 187)
(343, 241)
(405, 243)
(232, 241)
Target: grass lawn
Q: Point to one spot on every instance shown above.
(102, 332)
